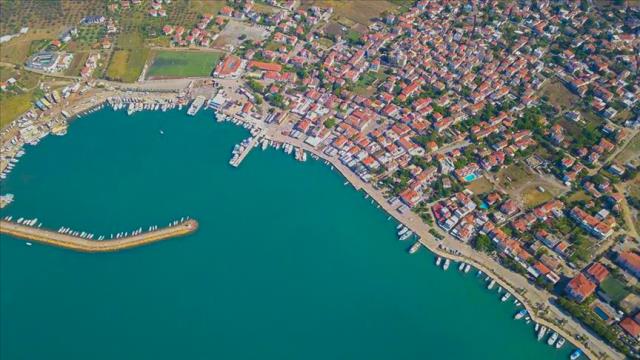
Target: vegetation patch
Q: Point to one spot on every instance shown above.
(532, 196)
(480, 186)
(614, 289)
(359, 11)
(167, 64)
(13, 106)
(559, 96)
(128, 59)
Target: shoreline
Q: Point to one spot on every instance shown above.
(587, 352)
(80, 244)
(420, 228)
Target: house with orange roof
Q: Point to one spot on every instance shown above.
(580, 288)
(630, 261)
(597, 272)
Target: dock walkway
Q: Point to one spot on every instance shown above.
(76, 243)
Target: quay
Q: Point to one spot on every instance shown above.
(80, 244)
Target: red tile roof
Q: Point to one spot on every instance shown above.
(631, 327)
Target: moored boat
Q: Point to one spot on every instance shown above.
(415, 247)
(438, 261)
(542, 332)
(576, 354)
(505, 297)
(520, 314)
(560, 342)
(491, 284)
(447, 262)
(552, 339)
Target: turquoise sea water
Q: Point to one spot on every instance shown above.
(287, 264)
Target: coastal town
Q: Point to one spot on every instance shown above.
(502, 135)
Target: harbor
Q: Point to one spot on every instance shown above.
(269, 134)
(205, 282)
(84, 242)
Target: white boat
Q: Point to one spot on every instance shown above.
(415, 247)
(552, 339)
(446, 264)
(406, 235)
(467, 268)
(505, 297)
(491, 284)
(403, 230)
(542, 332)
(537, 327)
(461, 267)
(29, 244)
(560, 343)
(438, 261)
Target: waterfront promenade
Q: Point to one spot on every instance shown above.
(76, 243)
(537, 302)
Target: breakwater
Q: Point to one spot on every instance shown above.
(78, 243)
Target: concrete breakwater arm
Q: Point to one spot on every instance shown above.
(76, 243)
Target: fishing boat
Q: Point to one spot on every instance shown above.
(520, 314)
(542, 332)
(438, 261)
(576, 354)
(552, 339)
(491, 284)
(414, 247)
(406, 235)
(505, 297)
(560, 342)
(447, 262)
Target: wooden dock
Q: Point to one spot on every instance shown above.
(76, 243)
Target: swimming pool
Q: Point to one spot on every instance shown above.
(470, 177)
(601, 313)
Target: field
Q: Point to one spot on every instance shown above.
(236, 32)
(522, 184)
(17, 50)
(614, 289)
(631, 152)
(129, 58)
(77, 64)
(207, 6)
(532, 196)
(559, 96)
(359, 11)
(480, 186)
(166, 64)
(12, 106)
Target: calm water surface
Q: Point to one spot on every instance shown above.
(287, 264)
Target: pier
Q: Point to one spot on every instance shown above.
(81, 244)
(237, 159)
